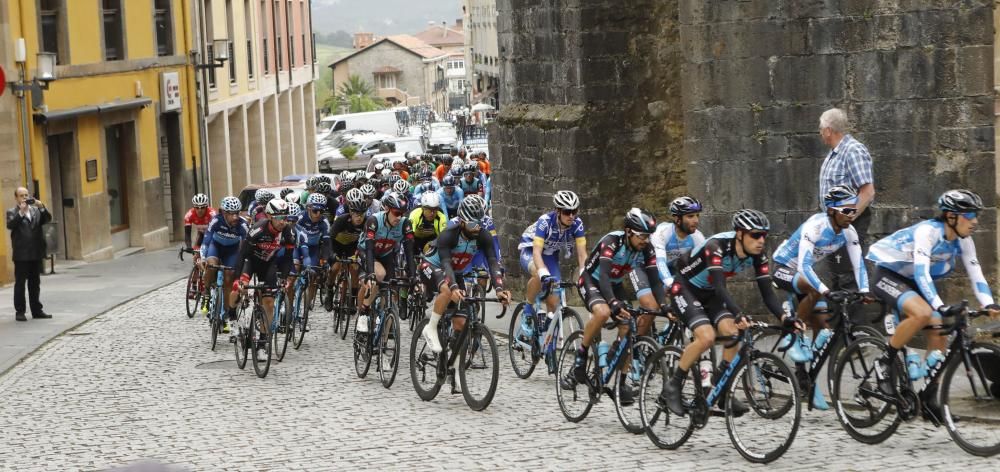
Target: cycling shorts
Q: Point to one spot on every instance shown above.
(433, 276)
(388, 262)
(551, 262)
(590, 292)
(344, 251)
(267, 273)
(894, 289)
(787, 279)
(698, 306)
(228, 256)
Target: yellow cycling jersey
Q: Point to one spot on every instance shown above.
(422, 228)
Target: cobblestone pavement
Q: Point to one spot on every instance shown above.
(139, 383)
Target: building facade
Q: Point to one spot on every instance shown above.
(482, 54)
(260, 121)
(403, 70)
(111, 146)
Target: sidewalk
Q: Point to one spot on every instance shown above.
(78, 292)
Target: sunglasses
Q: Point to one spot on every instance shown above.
(279, 217)
(357, 213)
(846, 211)
(758, 234)
(969, 215)
(569, 212)
(641, 236)
(395, 212)
(315, 210)
(232, 213)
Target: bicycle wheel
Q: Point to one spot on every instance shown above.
(479, 368)
(362, 348)
(665, 429)
(192, 295)
(345, 306)
(388, 349)
(261, 343)
(767, 429)
(627, 408)
(300, 323)
(836, 350)
(215, 321)
(242, 338)
(284, 332)
(424, 366)
(519, 343)
(860, 407)
(574, 399)
(974, 400)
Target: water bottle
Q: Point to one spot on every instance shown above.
(602, 354)
(705, 366)
(890, 322)
(915, 366)
(822, 337)
(935, 361)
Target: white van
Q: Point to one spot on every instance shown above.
(382, 121)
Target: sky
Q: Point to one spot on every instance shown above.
(382, 16)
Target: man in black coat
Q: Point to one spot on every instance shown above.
(25, 224)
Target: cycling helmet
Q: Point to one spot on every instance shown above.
(323, 187)
(447, 160)
(345, 173)
(448, 181)
(394, 201)
(685, 206)
(748, 220)
(277, 207)
(430, 200)
(284, 193)
(426, 175)
(472, 208)
(840, 195)
(425, 187)
(379, 167)
(354, 196)
(310, 182)
(263, 196)
(385, 173)
(294, 210)
(640, 221)
(369, 175)
(400, 186)
(456, 171)
(565, 200)
(316, 201)
(457, 162)
(231, 204)
(200, 200)
(323, 178)
(368, 190)
(394, 177)
(471, 167)
(960, 200)
(292, 197)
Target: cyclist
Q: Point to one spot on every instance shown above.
(368, 190)
(260, 199)
(617, 254)
(449, 257)
(821, 235)
(472, 181)
(672, 240)
(380, 242)
(401, 187)
(443, 168)
(198, 219)
(480, 159)
(344, 234)
(541, 245)
(265, 252)
(222, 246)
(313, 236)
(450, 196)
(906, 264)
(428, 220)
(700, 295)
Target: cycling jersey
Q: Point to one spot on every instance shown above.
(710, 264)
(453, 253)
(197, 223)
(313, 238)
(380, 240)
(424, 228)
(220, 233)
(609, 262)
(449, 203)
(669, 247)
(553, 236)
(814, 240)
(479, 260)
(921, 252)
(265, 252)
(473, 187)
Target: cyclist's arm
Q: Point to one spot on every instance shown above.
(924, 237)
(187, 235)
(371, 229)
(206, 241)
(242, 267)
(653, 275)
(857, 260)
(763, 272)
(659, 242)
(581, 254)
(408, 239)
(805, 259)
(487, 243)
(604, 266)
(975, 272)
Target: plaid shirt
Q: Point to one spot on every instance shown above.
(847, 164)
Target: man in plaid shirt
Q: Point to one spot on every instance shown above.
(849, 164)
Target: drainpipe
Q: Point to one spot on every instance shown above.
(25, 121)
(312, 50)
(186, 7)
(274, 44)
(288, 29)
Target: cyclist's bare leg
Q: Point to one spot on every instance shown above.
(644, 322)
(704, 338)
(227, 288)
(727, 327)
(600, 313)
(808, 304)
(208, 280)
(368, 296)
(917, 315)
(268, 302)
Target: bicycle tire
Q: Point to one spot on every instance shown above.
(983, 401)
(192, 294)
(629, 415)
(215, 322)
(388, 349)
(362, 348)
(663, 428)
(260, 366)
(242, 345)
(766, 371)
(857, 332)
(300, 323)
(572, 396)
(345, 305)
(852, 366)
(522, 358)
(282, 317)
(424, 366)
(479, 345)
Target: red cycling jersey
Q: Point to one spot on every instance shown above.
(198, 223)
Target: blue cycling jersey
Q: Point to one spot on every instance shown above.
(814, 240)
(469, 188)
(719, 251)
(555, 238)
(623, 258)
(312, 233)
(922, 253)
(669, 247)
(386, 238)
(462, 252)
(221, 233)
(449, 203)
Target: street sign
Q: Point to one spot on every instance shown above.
(170, 91)
(3, 80)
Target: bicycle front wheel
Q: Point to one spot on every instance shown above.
(628, 384)
(300, 323)
(192, 296)
(861, 408)
(520, 339)
(770, 389)
(574, 399)
(665, 429)
(214, 318)
(242, 338)
(284, 332)
(261, 343)
(388, 349)
(971, 403)
(479, 368)
(424, 366)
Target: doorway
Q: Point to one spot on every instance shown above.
(177, 188)
(117, 148)
(63, 198)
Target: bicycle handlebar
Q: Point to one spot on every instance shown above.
(180, 253)
(503, 312)
(548, 288)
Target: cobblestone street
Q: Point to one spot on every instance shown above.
(140, 383)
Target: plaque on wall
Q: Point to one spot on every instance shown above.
(91, 170)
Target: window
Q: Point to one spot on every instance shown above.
(164, 28)
(291, 51)
(114, 33)
(50, 16)
(265, 33)
(314, 48)
(209, 36)
(302, 25)
(278, 53)
(248, 22)
(385, 81)
(232, 42)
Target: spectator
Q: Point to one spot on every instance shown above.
(848, 164)
(25, 222)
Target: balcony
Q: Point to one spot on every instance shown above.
(392, 94)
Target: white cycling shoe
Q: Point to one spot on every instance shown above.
(431, 336)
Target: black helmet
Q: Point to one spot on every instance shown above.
(748, 220)
(640, 221)
(284, 192)
(685, 206)
(446, 159)
(323, 187)
(960, 200)
(394, 200)
(840, 195)
(472, 208)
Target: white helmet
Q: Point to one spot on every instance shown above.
(401, 186)
(292, 197)
(231, 204)
(566, 200)
(457, 162)
(294, 210)
(430, 200)
(277, 207)
(199, 200)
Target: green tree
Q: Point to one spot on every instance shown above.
(356, 95)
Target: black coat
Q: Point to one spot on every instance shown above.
(26, 238)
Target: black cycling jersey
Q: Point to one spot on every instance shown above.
(344, 233)
(264, 244)
(612, 259)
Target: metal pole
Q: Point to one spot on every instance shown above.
(25, 137)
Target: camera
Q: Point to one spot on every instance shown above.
(30, 201)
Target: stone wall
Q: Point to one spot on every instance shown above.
(633, 104)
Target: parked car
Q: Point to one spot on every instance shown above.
(366, 145)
